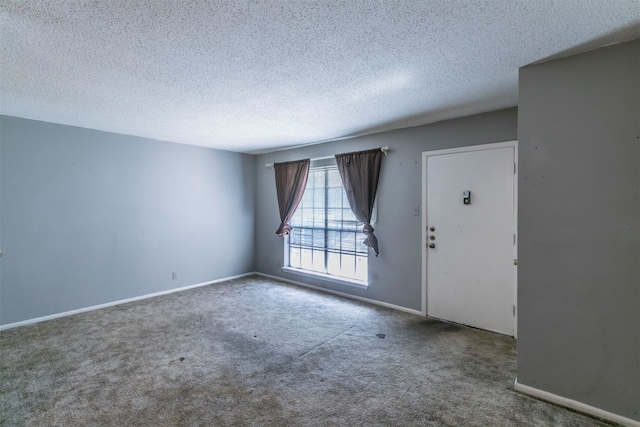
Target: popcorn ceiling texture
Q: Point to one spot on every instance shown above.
(257, 75)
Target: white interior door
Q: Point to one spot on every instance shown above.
(470, 250)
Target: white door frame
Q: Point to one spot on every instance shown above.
(492, 146)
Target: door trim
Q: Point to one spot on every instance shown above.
(424, 252)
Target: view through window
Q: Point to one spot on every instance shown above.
(327, 237)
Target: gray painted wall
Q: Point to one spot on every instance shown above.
(90, 217)
(395, 276)
(579, 222)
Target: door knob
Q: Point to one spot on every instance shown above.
(432, 237)
(432, 229)
(432, 245)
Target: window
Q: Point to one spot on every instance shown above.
(326, 237)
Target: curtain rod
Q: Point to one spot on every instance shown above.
(384, 150)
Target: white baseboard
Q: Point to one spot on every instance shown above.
(575, 405)
(342, 294)
(122, 301)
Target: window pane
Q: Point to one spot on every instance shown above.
(333, 263)
(294, 257)
(318, 261)
(361, 268)
(318, 199)
(333, 240)
(293, 238)
(348, 266)
(334, 197)
(318, 238)
(333, 218)
(317, 179)
(306, 237)
(334, 178)
(299, 216)
(305, 259)
(307, 217)
(348, 241)
(351, 226)
(345, 200)
(307, 199)
(296, 219)
(318, 218)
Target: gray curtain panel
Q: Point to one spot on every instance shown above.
(291, 179)
(360, 172)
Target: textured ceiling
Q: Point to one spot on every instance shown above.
(254, 76)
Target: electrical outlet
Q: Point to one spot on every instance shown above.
(174, 275)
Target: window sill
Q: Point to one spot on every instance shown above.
(327, 277)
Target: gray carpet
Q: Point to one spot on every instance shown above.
(255, 352)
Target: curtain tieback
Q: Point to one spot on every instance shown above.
(371, 240)
(368, 228)
(284, 229)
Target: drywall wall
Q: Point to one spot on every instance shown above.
(394, 276)
(90, 217)
(579, 222)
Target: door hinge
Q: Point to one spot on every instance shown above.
(514, 168)
(514, 309)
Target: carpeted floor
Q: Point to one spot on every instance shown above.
(255, 352)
